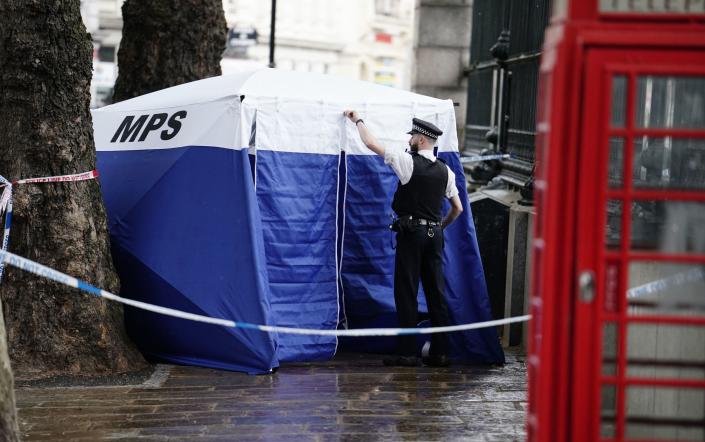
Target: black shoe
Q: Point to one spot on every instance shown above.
(401, 361)
(436, 361)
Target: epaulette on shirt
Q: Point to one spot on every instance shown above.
(412, 153)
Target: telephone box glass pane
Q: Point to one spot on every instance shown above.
(669, 163)
(666, 351)
(665, 413)
(613, 227)
(652, 7)
(619, 92)
(668, 226)
(670, 102)
(664, 288)
(609, 349)
(616, 166)
(608, 411)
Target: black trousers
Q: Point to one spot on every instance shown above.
(420, 256)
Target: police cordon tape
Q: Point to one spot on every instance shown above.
(49, 273)
(478, 158)
(6, 199)
(6, 209)
(93, 174)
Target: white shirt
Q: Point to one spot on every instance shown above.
(403, 165)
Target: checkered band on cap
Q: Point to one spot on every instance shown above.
(423, 131)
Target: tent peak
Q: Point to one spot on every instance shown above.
(269, 83)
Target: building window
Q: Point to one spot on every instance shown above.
(388, 7)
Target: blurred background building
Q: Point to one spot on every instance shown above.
(370, 40)
(103, 19)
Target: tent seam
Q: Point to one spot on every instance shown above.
(342, 243)
(337, 270)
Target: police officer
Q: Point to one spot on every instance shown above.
(423, 182)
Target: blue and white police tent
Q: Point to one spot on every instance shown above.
(251, 198)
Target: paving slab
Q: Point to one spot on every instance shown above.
(350, 398)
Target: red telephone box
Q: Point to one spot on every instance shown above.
(617, 347)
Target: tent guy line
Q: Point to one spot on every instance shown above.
(49, 273)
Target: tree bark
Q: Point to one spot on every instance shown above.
(168, 42)
(9, 430)
(46, 130)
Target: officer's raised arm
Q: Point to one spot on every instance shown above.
(366, 136)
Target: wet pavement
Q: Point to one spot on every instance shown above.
(352, 398)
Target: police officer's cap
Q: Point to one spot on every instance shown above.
(419, 126)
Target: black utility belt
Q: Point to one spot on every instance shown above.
(424, 222)
(409, 221)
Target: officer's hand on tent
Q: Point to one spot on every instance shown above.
(353, 115)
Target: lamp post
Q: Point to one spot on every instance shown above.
(272, 29)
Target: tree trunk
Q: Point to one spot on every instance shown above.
(46, 130)
(9, 430)
(168, 42)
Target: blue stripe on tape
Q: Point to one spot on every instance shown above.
(89, 288)
(247, 325)
(46, 272)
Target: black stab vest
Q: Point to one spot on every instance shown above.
(422, 196)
